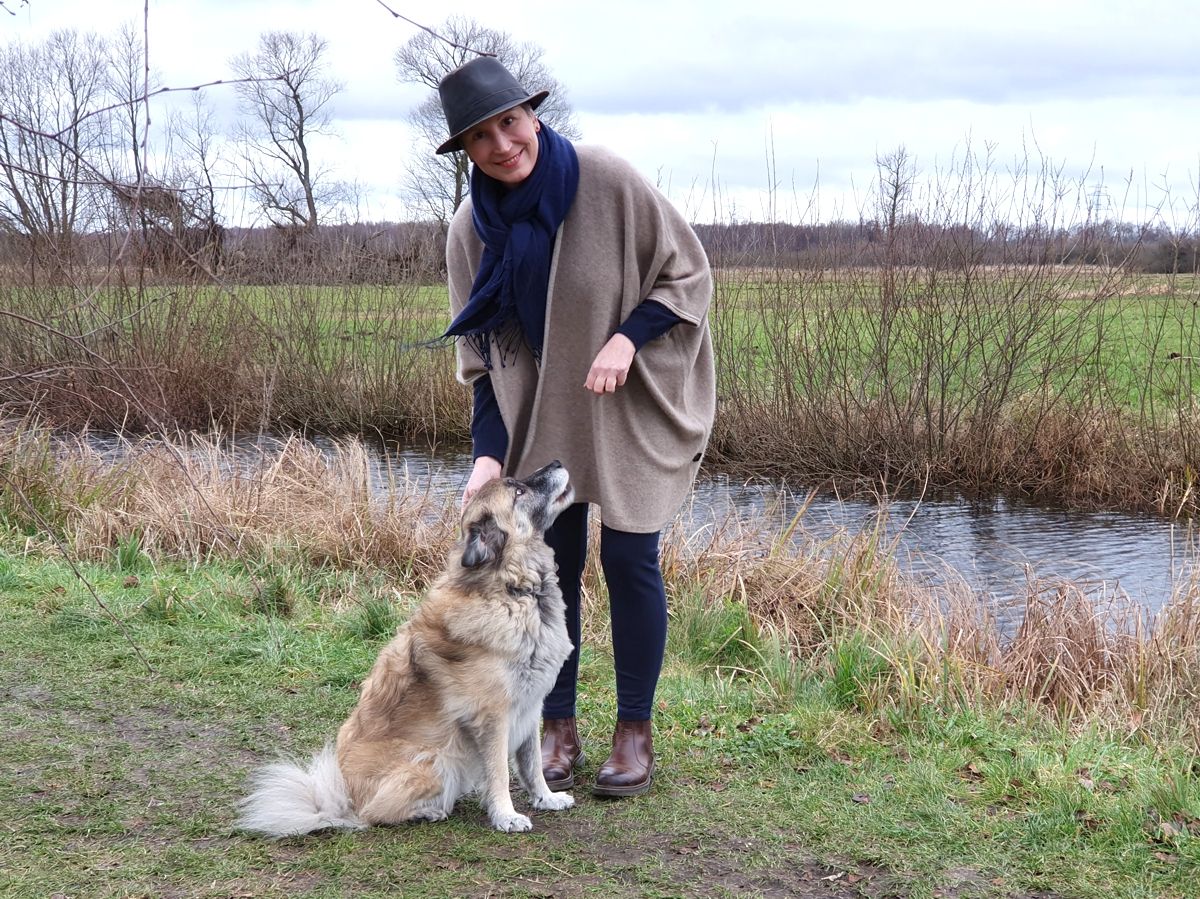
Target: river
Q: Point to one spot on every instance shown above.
(996, 546)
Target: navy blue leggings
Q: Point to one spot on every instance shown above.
(637, 605)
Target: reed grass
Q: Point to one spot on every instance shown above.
(780, 613)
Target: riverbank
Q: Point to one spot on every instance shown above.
(140, 689)
(795, 607)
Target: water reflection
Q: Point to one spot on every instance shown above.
(996, 547)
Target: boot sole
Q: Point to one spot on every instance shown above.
(599, 789)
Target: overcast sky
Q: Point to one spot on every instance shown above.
(718, 101)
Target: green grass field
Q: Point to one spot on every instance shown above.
(1074, 336)
(130, 733)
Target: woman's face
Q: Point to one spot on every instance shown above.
(505, 146)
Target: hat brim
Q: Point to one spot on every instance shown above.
(455, 141)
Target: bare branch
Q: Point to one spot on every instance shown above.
(430, 31)
(169, 90)
(286, 111)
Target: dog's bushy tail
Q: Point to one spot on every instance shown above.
(288, 800)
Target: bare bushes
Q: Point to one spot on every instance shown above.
(146, 358)
(353, 359)
(126, 358)
(976, 353)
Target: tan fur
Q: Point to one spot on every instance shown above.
(460, 687)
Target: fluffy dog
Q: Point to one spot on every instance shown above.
(456, 692)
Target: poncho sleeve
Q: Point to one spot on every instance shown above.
(677, 273)
(463, 250)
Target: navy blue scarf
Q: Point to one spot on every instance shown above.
(517, 227)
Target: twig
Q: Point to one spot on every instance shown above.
(428, 30)
(144, 98)
(72, 338)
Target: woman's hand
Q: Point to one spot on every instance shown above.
(611, 365)
(485, 469)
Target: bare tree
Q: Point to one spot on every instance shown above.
(149, 209)
(897, 174)
(195, 156)
(286, 113)
(196, 132)
(438, 184)
(51, 140)
(128, 81)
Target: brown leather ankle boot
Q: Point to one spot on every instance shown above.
(629, 771)
(562, 753)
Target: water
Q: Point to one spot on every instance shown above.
(996, 547)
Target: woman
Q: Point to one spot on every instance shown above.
(580, 300)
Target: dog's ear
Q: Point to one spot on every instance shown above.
(485, 542)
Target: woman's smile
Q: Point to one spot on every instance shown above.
(505, 146)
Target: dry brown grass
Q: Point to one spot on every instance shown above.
(1084, 657)
(1082, 653)
(191, 501)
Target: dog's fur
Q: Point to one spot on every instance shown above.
(454, 694)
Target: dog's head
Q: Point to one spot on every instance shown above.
(508, 508)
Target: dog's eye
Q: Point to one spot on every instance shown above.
(520, 491)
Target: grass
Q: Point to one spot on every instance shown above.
(841, 605)
(819, 717)
(126, 779)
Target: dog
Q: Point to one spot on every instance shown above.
(455, 693)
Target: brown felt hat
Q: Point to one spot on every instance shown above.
(476, 91)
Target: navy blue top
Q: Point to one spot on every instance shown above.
(489, 437)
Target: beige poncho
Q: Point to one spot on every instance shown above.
(634, 452)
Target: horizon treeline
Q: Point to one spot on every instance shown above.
(387, 252)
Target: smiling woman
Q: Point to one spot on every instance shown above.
(591, 292)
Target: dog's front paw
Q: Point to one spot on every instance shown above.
(553, 802)
(511, 822)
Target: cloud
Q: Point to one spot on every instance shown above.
(747, 65)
